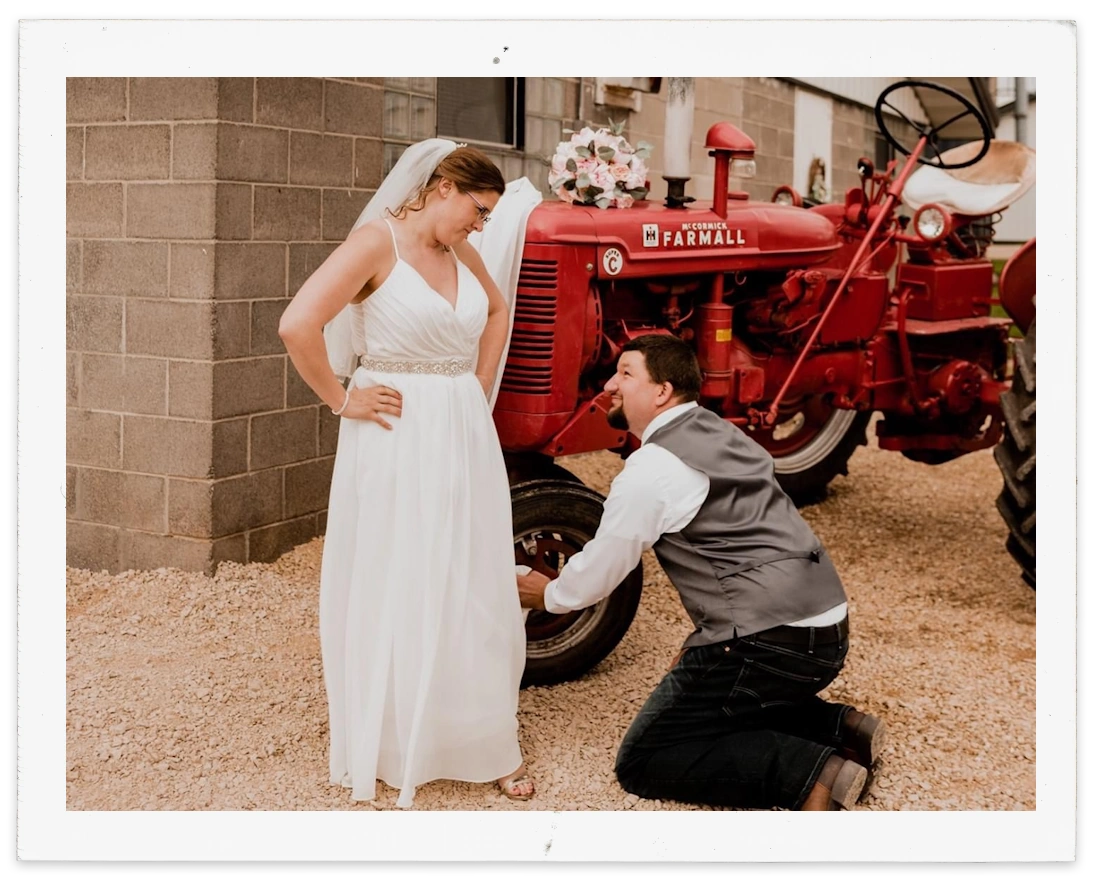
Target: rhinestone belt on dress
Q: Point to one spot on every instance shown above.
(456, 366)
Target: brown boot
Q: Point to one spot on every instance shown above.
(837, 787)
(863, 737)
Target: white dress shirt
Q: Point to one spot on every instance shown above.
(656, 493)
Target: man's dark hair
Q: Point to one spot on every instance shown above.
(669, 359)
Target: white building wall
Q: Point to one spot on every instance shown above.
(1018, 223)
(812, 137)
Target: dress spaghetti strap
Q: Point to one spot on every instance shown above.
(396, 252)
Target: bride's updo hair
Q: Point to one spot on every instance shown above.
(467, 167)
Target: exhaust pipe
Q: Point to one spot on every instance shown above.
(678, 138)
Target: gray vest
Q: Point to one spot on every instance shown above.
(747, 561)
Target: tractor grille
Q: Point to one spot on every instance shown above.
(530, 363)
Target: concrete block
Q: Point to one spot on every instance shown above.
(286, 214)
(307, 487)
(92, 438)
(353, 109)
(92, 546)
(236, 99)
(249, 270)
(230, 447)
(252, 154)
(93, 323)
(190, 389)
(242, 387)
(192, 270)
(194, 151)
(292, 102)
(281, 438)
(234, 211)
(179, 447)
(170, 329)
(179, 211)
(264, 319)
(127, 152)
(95, 99)
(93, 210)
(269, 543)
(316, 159)
(120, 268)
(174, 98)
(74, 153)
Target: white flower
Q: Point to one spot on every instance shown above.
(610, 170)
(583, 137)
(635, 180)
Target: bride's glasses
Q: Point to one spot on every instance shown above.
(483, 214)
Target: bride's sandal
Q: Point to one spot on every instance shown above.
(519, 779)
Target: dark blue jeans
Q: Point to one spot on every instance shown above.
(737, 724)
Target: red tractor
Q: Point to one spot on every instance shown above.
(805, 322)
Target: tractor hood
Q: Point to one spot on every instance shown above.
(650, 238)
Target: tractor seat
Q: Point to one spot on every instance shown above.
(996, 181)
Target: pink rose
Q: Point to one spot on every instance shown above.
(620, 171)
(624, 201)
(600, 177)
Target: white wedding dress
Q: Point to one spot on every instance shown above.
(420, 625)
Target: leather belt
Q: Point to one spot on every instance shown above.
(803, 634)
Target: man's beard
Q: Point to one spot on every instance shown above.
(617, 419)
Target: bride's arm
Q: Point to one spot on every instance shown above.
(352, 266)
(491, 344)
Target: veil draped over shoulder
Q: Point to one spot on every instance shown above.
(500, 244)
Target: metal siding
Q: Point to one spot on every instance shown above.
(1018, 223)
(866, 90)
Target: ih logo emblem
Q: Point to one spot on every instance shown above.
(612, 261)
(650, 235)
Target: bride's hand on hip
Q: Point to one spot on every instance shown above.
(373, 404)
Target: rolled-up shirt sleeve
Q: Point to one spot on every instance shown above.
(640, 507)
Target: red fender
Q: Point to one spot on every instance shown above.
(1017, 286)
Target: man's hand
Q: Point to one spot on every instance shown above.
(531, 587)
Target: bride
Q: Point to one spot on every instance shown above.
(421, 633)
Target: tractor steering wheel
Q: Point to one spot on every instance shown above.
(932, 133)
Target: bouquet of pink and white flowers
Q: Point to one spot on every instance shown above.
(599, 167)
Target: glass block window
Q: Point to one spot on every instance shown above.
(396, 115)
(481, 109)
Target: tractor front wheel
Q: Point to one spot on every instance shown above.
(811, 444)
(1016, 457)
(552, 520)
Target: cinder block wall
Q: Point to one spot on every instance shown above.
(195, 209)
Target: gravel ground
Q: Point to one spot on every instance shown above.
(187, 692)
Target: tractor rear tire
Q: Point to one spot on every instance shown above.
(1016, 457)
(559, 517)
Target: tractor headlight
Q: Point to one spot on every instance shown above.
(932, 222)
(786, 196)
(744, 169)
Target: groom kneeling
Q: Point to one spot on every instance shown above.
(736, 722)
